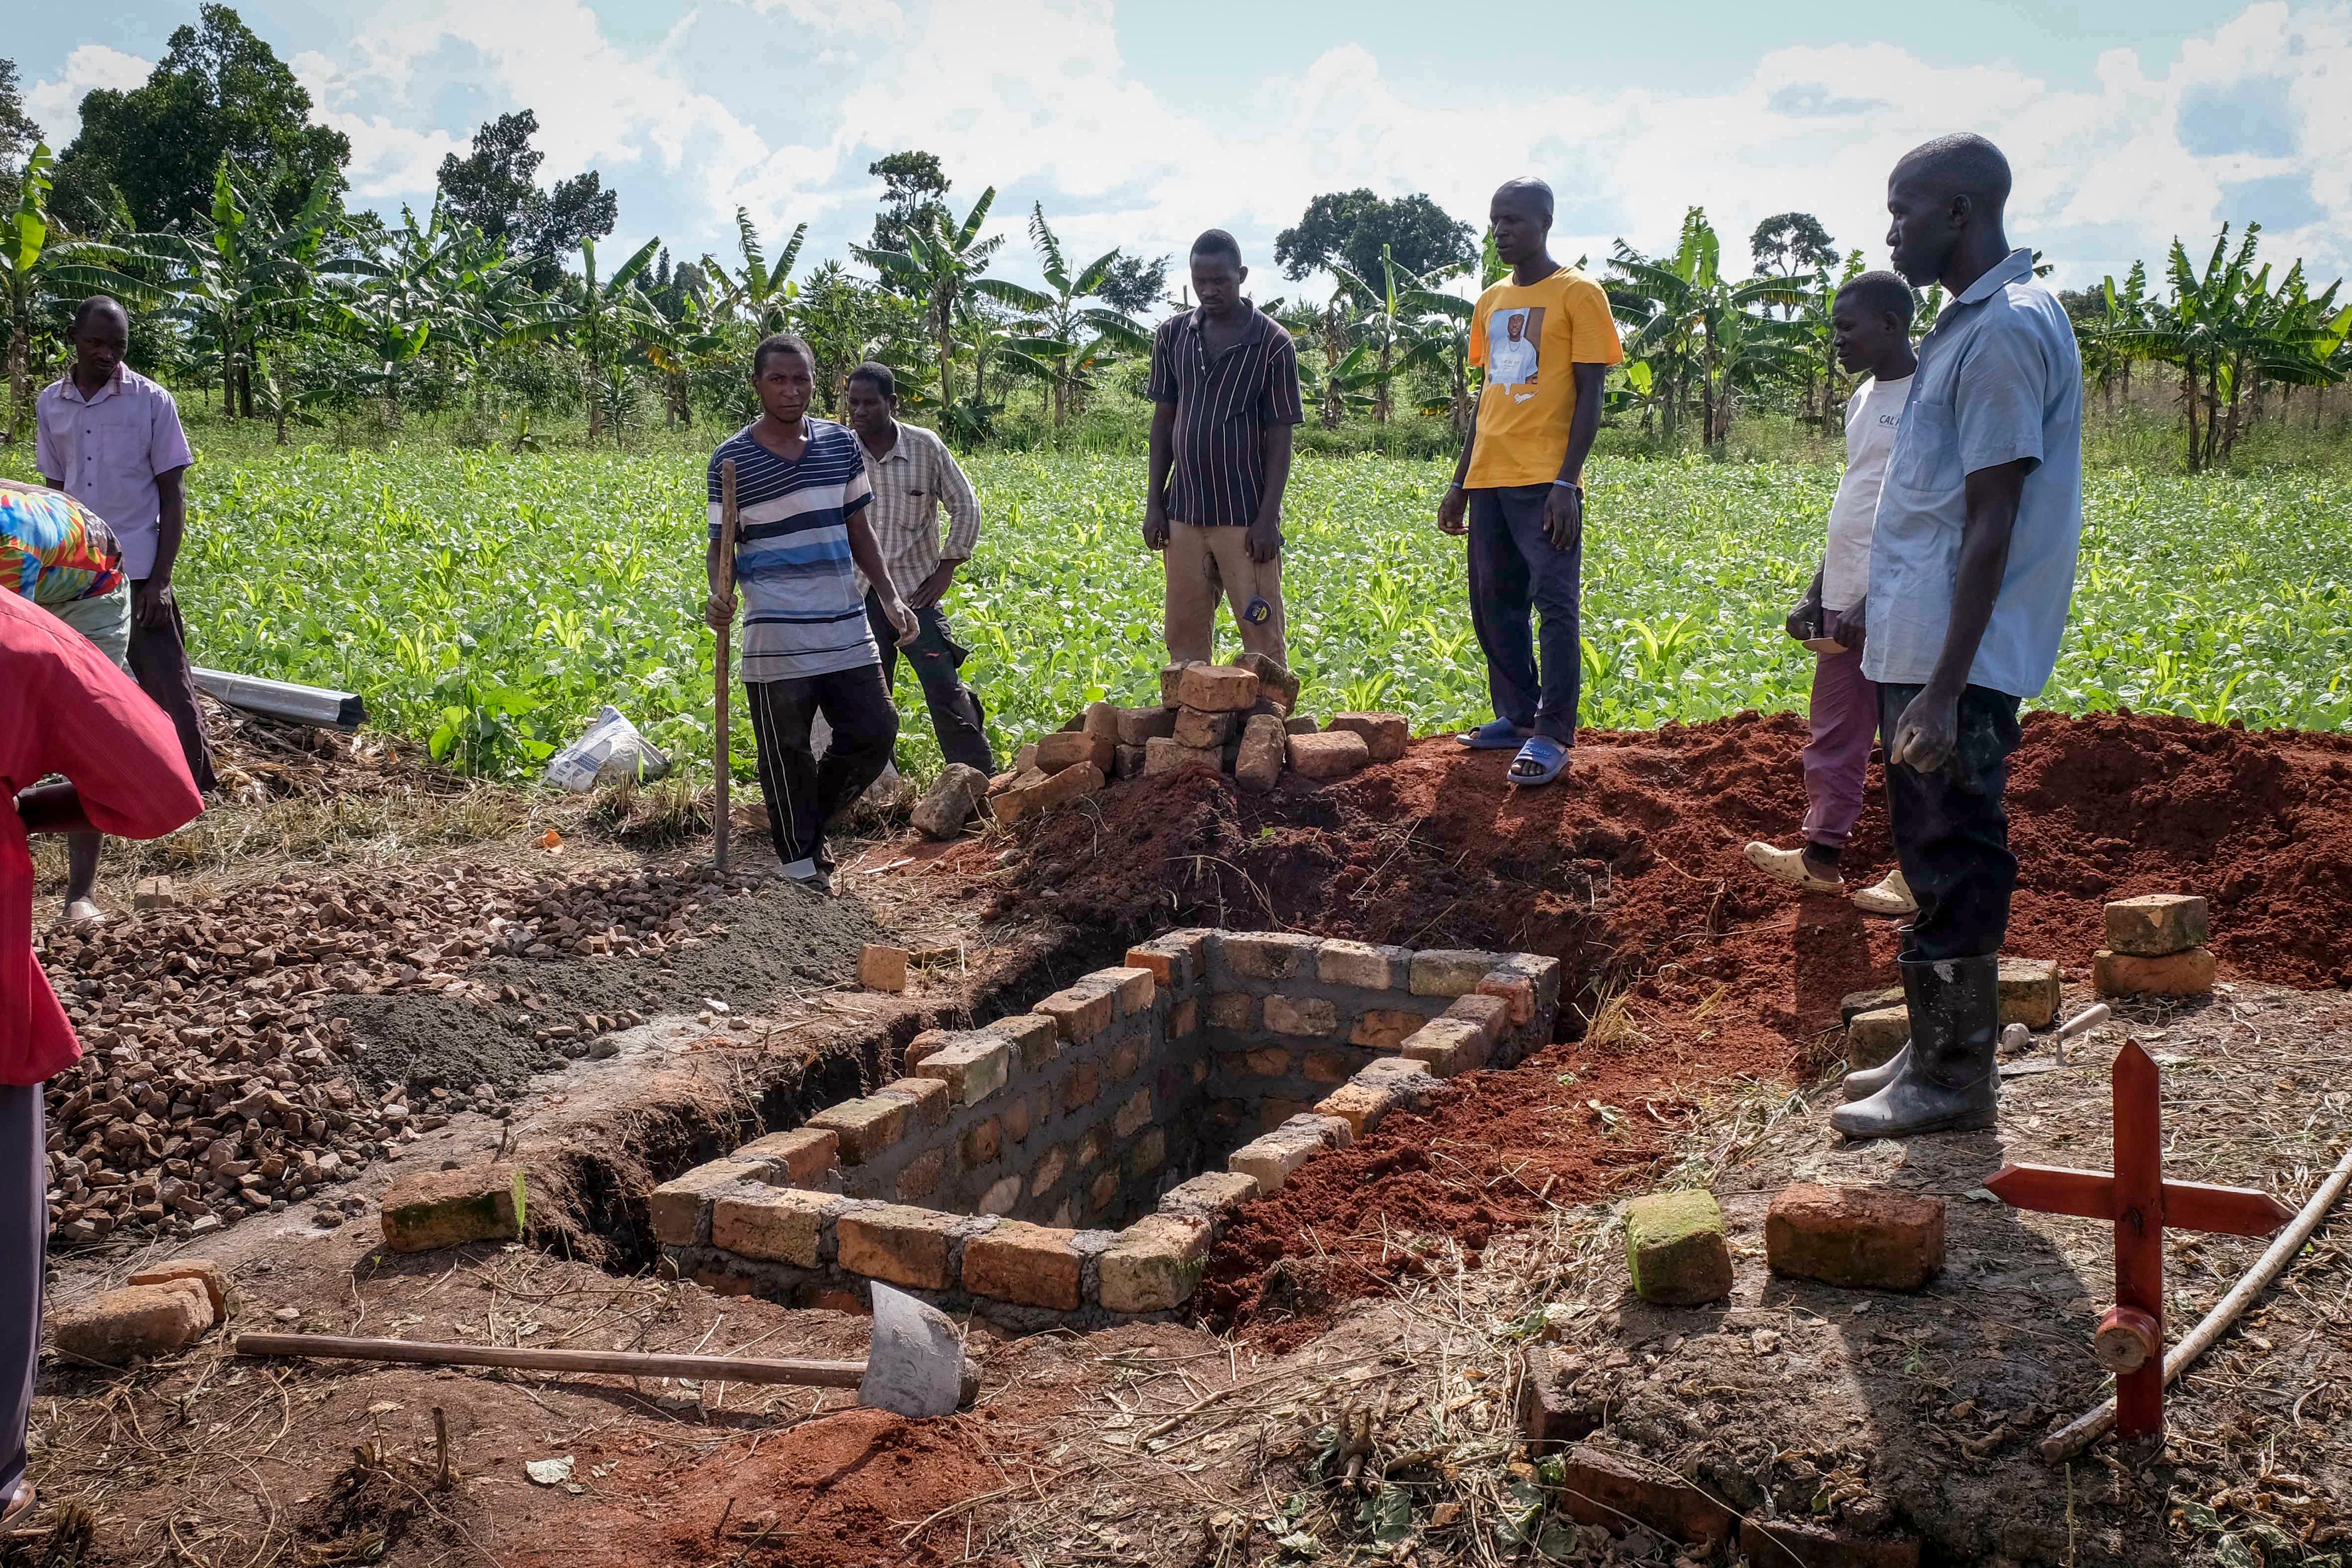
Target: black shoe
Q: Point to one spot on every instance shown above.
(1867, 1081)
(1948, 1081)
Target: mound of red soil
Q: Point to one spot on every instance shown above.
(1631, 872)
(842, 1491)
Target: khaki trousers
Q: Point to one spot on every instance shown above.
(1207, 563)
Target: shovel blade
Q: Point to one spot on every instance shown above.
(916, 1367)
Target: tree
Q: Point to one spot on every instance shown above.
(761, 292)
(913, 188)
(848, 321)
(940, 260)
(1059, 349)
(1393, 311)
(38, 269)
(1351, 228)
(495, 190)
(18, 135)
(1791, 243)
(1134, 287)
(218, 92)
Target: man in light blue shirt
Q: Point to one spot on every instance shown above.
(1971, 571)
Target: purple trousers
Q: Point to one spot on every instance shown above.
(1844, 727)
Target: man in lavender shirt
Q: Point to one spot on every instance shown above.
(111, 438)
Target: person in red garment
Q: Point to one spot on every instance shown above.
(68, 711)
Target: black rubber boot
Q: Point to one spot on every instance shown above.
(1949, 1082)
(1862, 1084)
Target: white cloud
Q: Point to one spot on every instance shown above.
(55, 102)
(779, 105)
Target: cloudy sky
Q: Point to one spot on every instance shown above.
(1140, 124)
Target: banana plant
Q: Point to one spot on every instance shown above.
(38, 265)
(1068, 341)
(242, 279)
(762, 294)
(595, 316)
(942, 261)
(1693, 324)
(677, 346)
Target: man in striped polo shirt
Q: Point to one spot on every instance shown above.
(1224, 379)
(801, 496)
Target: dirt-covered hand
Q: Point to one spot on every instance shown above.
(1928, 734)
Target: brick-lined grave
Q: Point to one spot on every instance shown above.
(1074, 1163)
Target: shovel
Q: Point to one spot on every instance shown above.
(916, 1367)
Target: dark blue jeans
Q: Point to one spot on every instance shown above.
(938, 659)
(1951, 830)
(1513, 569)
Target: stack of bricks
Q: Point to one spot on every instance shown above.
(968, 1180)
(2156, 947)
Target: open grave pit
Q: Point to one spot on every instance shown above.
(1074, 1163)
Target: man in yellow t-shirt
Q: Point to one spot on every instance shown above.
(1544, 338)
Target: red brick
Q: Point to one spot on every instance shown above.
(2156, 925)
(1858, 1237)
(982, 1141)
(1082, 1012)
(1490, 1013)
(1326, 1067)
(802, 1155)
(1028, 1264)
(1215, 688)
(1312, 1017)
(882, 968)
(2188, 973)
(1080, 1088)
(1201, 731)
(1553, 1412)
(1024, 801)
(1385, 735)
(1333, 755)
(891, 1241)
(1602, 1488)
(1384, 1028)
(1068, 748)
(137, 1321)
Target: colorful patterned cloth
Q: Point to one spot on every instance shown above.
(53, 549)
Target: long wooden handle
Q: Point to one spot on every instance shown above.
(625, 1364)
(721, 710)
(2072, 1439)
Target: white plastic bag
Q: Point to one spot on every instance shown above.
(609, 752)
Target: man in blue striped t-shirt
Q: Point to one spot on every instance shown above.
(801, 496)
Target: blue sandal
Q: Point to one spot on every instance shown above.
(1495, 735)
(1547, 756)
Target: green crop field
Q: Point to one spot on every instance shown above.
(488, 603)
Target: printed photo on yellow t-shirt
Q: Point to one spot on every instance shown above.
(1511, 359)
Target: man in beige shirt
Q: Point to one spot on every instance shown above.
(913, 474)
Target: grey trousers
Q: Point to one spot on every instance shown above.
(24, 1243)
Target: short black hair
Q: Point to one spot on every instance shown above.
(1882, 292)
(99, 305)
(880, 376)
(1217, 242)
(780, 343)
(1963, 163)
(1526, 187)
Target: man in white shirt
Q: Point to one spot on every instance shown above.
(111, 438)
(1872, 318)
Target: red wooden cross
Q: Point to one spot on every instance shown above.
(2141, 1203)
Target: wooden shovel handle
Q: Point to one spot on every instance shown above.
(624, 1363)
(721, 710)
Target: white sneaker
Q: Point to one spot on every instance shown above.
(1892, 896)
(1788, 865)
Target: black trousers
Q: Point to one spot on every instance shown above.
(802, 793)
(1951, 831)
(938, 659)
(159, 663)
(1515, 568)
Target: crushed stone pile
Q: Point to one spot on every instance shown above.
(221, 1074)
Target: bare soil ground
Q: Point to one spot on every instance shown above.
(1402, 1283)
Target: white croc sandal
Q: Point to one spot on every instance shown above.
(1788, 866)
(1891, 896)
